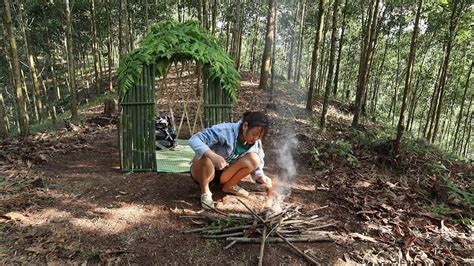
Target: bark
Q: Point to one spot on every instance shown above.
(214, 16)
(94, 47)
(109, 47)
(364, 59)
(3, 118)
(339, 53)
(468, 138)
(433, 104)
(377, 81)
(314, 58)
(273, 67)
(146, 14)
(331, 66)
(205, 14)
(19, 96)
(299, 52)
(71, 64)
(292, 45)
(265, 69)
(458, 123)
(253, 50)
(466, 125)
(123, 28)
(456, 13)
(31, 63)
(407, 88)
(324, 56)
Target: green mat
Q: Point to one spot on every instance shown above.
(176, 160)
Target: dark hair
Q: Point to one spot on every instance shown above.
(256, 119)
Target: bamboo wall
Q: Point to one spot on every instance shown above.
(137, 126)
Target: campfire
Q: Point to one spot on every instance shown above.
(288, 225)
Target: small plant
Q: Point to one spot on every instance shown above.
(343, 148)
(439, 209)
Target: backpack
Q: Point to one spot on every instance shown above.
(165, 135)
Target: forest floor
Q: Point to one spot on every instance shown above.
(65, 200)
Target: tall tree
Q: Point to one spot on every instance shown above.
(3, 118)
(367, 49)
(299, 51)
(314, 59)
(457, 10)
(19, 96)
(292, 43)
(458, 124)
(407, 89)
(31, 61)
(94, 47)
(71, 64)
(339, 53)
(265, 69)
(330, 65)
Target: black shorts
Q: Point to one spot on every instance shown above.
(215, 181)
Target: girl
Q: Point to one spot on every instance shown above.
(227, 152)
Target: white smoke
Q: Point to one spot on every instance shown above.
(286, 178)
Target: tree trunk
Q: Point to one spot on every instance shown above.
(19, 96)
(455, 15)
(31, 62)
(458, 124)
(339, 53)
(3, 118)
(407, 89)
(364, 59)
(433, 103)
(291, 51)
(465, 125)
(123, 28)
(314, 58)
(324, 56)
(273, 67)
(214, 16)
(331, 66)
(299, 52)
(71, 64)
(109, 47)
(265, 69)
(146, 15)
(468, 127)
(94, 47)
(377, 81)
(253, 48)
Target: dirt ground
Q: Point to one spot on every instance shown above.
(85, 210)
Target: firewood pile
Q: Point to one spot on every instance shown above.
(288, 226)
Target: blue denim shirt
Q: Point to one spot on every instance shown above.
(221, 139)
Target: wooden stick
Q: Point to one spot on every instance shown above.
(230, 245)
(262, 246)
(280, 235)
(223, 236)
(229, 229)
(282, 240)
(214, 209)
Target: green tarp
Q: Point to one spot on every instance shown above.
(176, 160)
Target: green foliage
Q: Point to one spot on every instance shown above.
(439, 209)
(465, 196)
(172, 41)
(343, 149)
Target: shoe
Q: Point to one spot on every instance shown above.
(236, 190)
(206, 201)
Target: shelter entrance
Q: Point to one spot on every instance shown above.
(160, 78)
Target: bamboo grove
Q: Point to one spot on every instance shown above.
(403, 63)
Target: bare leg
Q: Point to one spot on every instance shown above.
(203, 172)
(239, 169)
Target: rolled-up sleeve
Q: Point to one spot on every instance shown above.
(200, 142)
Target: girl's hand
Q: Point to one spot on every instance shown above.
(218, 161)
(265, 180)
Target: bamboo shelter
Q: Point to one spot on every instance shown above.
(171, 44)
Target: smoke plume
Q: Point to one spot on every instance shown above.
(286, 178)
